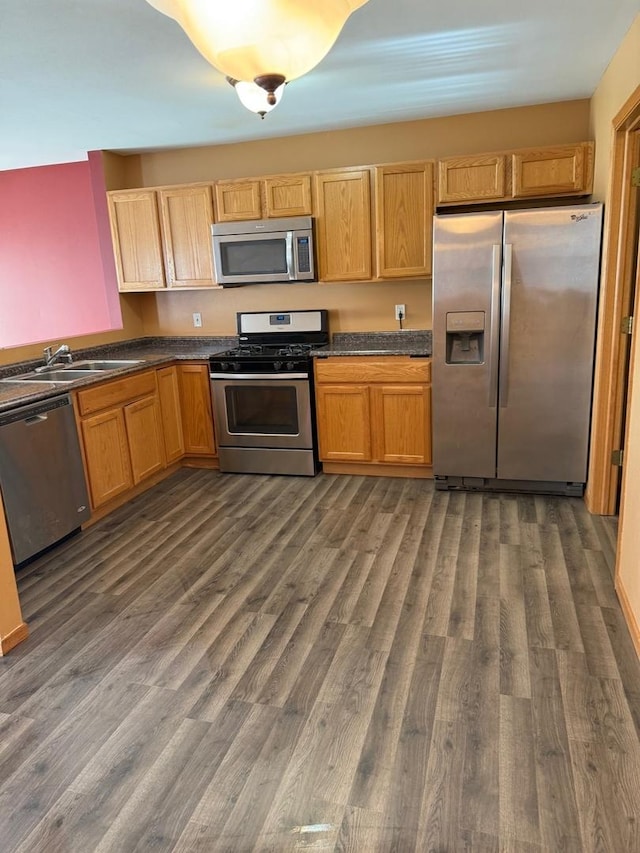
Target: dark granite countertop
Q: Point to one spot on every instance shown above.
(151, 352)
(407, 342)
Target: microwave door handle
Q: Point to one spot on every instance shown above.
(290, 264)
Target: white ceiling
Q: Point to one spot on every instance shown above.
(79, 75)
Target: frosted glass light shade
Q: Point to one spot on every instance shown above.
(254, 97)
(246, 39)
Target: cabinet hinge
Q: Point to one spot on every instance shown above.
(617, 457)
(635, 177)
(626, 326)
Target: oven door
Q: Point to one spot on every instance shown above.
(262, 411)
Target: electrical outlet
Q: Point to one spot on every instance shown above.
(197, 320)
(400, 312)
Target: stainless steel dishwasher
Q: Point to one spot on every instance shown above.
(41, 475)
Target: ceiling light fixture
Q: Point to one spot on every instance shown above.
(268, 41)
(254, 98)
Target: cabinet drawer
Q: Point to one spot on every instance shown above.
(116, 392)
(387, 369)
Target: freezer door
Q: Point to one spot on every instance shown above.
(549, 302)
(466, 296)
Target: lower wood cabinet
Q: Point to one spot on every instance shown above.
(402, 423)
(375, 411)
(122, 436)
(197, 417)
(344, 423)
(106, 454)
(144, 433)
(171, 411)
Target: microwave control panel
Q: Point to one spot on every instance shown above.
(304, 261)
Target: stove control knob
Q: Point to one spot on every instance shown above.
(224, 365)
(236, 365)
(277, 365)
(291, 365)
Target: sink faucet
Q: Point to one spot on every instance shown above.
(63, 353)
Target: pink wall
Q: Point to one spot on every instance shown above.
(57, 273)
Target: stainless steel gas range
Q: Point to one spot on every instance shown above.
(262, 394)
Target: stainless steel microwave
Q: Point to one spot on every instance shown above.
(264, 250)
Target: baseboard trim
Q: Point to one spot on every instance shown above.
(210, 462)
(372, 469)
(629, 615)
(14, 638)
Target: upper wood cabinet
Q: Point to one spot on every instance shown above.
(287, 195)
(404, 214)
(135, 231)
(263, 198)
(174, 222)
(343, 224)
(467, 179)
(561, 170)
(565, 170)
(237, 200)
(186, 218)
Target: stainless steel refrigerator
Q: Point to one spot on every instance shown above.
(514, 314)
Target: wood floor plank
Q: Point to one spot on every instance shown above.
(237, 662)
(439, 823)
(519, 818)
(402, 814)
(463, 600)
(566, 628)
(599, 784)
(514, 657)
(480, 787)
(598, 652)
(559, 821)
(359, 830)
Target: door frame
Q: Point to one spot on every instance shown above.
(618, 283)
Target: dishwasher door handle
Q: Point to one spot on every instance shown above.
(36, 419)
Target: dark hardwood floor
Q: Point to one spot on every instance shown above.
(236, 663)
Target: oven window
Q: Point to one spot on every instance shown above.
(262, 410)
(254, 257)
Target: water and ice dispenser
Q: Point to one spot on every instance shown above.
(465, 337)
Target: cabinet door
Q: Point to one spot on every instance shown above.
(186, 218)
(563, 170)
(237, 200)
(135, 231)
(169, 394)
(195, 400)
(402, 424)
(344, 225)
(404, 219)
(107, 456)
(344, 423)
(144, 432)
(288, 195)
(471, 178)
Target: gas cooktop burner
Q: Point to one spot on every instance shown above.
(268, 351)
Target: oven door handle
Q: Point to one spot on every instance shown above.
(266, 376)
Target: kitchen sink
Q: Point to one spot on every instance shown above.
(68, 375)
(57, 373)
(108, 364)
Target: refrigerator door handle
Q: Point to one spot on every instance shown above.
(506, 325)
(494, 334)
